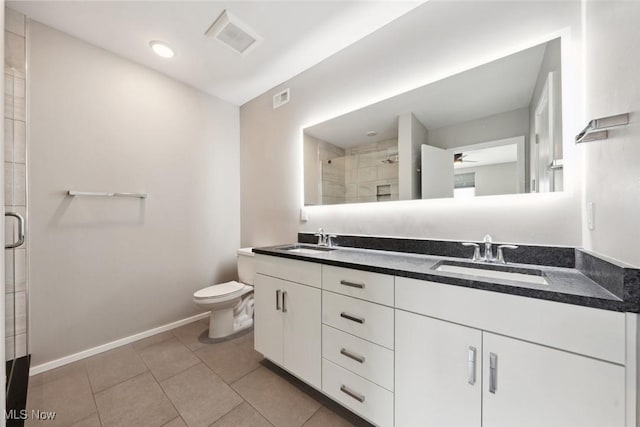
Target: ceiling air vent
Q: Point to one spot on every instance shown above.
(233, 33)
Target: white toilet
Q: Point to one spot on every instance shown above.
(231, 303)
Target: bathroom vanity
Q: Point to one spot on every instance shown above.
(401, 342)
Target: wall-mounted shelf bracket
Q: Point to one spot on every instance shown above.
(596, 129)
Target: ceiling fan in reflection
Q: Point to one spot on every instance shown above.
(458, 158)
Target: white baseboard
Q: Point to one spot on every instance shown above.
(111, 345)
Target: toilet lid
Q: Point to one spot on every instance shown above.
(219, 290)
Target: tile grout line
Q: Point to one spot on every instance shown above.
(254, 408)
(178, 373)
(174, 406)
(249, 403)
(311, 416)
(93, 395)
(123, 381)
(170, 402)
(119, 382)
(159, 383)
(229, 383)
(228, 412)
(253, 370)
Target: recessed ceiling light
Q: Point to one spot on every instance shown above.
(372, 133)
(161, 49)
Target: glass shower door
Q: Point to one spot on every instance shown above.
(15, 299)
(15, 207)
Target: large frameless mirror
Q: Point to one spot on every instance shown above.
(494, 129)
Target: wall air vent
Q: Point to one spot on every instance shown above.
(281, 98)
(233, 33)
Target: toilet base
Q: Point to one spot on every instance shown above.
(222, 324)
(236, 316)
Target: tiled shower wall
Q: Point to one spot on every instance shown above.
(333, 183)
(362, 175)
(15, 194)
(368, 177)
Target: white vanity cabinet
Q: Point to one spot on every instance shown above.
(287, 316)
(532, 385)
(405, 352)
(441, 381)
(438, 373)
(358, 342)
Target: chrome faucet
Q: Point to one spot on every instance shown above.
(322, 237)
(488, 251)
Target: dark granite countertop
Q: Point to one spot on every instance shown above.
(566, 285)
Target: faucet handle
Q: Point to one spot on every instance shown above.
(501, 252)
(328, 239)
(476, 250)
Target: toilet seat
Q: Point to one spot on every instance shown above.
(221, 292)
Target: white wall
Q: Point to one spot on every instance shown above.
(492, 128)
(501, 178)
(435, 40)
(612, 167)
(312, 171)
(106, 268)
(411, 135)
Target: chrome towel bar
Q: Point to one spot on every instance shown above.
(593, 132)
(104, 194)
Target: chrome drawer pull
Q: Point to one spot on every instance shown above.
(493, 372)
(358, 285)
(357, 396)
(284, 301)
(352, 318)
(356, 357)
(278, 300)
(472, 365)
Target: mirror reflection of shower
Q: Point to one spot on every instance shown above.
(363, 173)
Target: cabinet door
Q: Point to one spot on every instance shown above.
(268, 316)
(532, 385)
(436, 385)
(302, 332)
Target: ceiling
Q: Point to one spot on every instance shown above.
(503, 85)
(297, 35)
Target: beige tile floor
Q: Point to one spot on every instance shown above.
(174, 380)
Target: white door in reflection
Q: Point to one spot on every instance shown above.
(542, 179)
(437, 172)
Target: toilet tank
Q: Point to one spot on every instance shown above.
(246, 266)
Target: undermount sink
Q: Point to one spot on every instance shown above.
(307, 249)
(522, 275)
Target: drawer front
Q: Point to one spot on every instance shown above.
(583, 330)
(366, 359)
(361, 396)
(307, 273)
(360, 284)
(367, 320)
